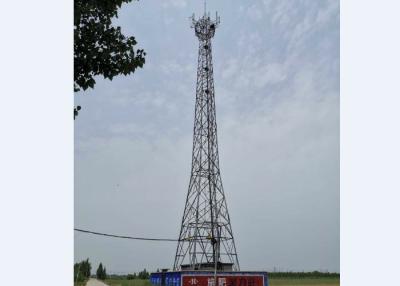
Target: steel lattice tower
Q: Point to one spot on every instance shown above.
(206, 238)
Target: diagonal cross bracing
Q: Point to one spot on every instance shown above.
(206, 234)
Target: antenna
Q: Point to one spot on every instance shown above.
(205, 7)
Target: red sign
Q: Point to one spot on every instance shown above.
(223, 280)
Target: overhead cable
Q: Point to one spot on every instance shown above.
(125, 237)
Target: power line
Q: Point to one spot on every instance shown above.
(125, 237)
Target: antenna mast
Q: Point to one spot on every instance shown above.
(206, 238)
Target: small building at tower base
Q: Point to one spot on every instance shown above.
(210, 266)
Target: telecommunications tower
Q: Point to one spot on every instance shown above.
(206, 238)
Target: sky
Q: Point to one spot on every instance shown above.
(276, 75)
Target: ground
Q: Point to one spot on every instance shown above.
(273, 282)
(135, 282)
(95, 282)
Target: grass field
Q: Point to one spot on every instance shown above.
(135, 282)
(305, 282)
(79, 283)
(272, 282)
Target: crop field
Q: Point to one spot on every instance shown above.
(272, 282)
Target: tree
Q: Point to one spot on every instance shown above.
(130, 277)
(82, 270)
(86, 268)
(144, 274)
(78, 275)
(104, 274)
(101, 273)
(99, 47)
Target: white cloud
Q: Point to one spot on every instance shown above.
(269, 74)
(174, 3)
(325, 15)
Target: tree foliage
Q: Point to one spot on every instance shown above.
(101, 272)
(82, 270)
(131, 276)
(144, 274)
(99, 47)
(76, 111)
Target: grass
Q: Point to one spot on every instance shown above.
(272, 282)
(123, 282)
(304, 282)
(80, 283)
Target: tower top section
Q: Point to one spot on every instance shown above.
(204, 27)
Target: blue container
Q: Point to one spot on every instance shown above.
(206, 278)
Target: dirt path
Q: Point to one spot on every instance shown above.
(95, 282)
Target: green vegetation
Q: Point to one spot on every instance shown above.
(101, 272)
(143, 274)
(82, 272)
(125, 282)
(131, 276)
(304, 282)
(301, 275)
(140, 279)
(100, 48)
(315, 278)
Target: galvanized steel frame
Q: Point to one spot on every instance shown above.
(206, 234)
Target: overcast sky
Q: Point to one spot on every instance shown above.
(276, 71)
